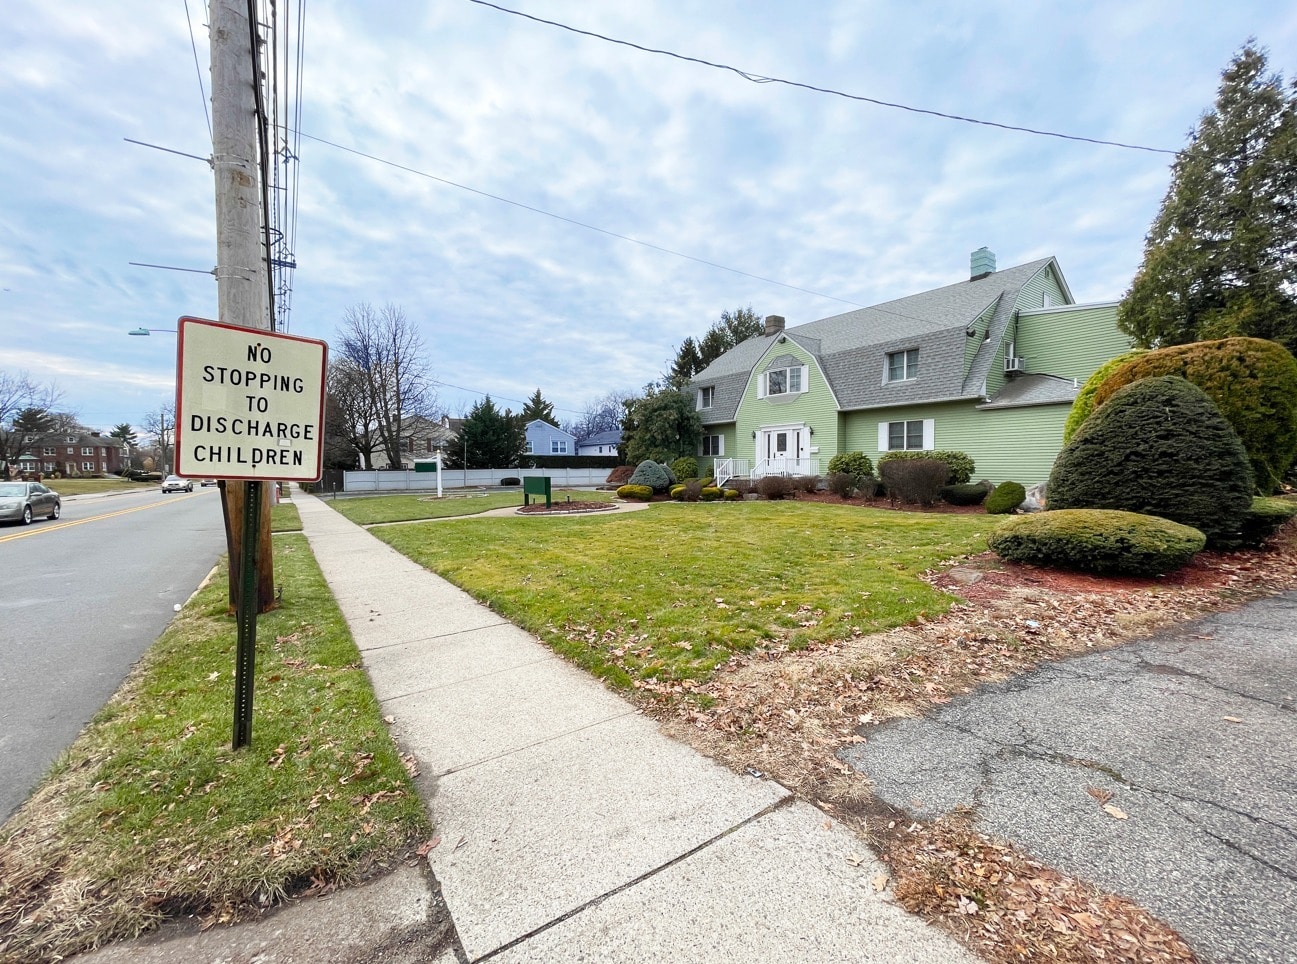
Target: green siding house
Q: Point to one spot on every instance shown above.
(988, 366)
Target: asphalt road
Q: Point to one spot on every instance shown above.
(1193, 732)
(81, 599)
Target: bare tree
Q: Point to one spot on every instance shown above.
(388, 356)
(20, 399)
(603, 414)
(161, 424)
(353, 416)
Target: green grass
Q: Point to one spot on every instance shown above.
(151, 813)
(670, 593)
(66, 487)
(368, 510)
(284, 517)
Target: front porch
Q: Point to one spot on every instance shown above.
(750, 470)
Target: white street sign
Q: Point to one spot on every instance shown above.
(249, 403)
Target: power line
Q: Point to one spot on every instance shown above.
(762, 79)
(201, 89)
(574, 221)
(503, 398)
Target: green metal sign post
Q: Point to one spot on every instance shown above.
(245, 659)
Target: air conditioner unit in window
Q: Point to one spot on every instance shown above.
(1012, 365)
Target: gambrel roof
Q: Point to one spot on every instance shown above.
(851, 348)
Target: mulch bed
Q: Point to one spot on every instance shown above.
(565, 508)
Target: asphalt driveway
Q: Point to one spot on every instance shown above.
(1194, 734)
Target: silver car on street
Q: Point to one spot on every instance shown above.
(23, 501)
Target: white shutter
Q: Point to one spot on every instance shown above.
(806, 374)
(929, 435)
(761, 385)
(882, 436)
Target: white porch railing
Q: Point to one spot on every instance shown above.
(725, 469)
(785, 466)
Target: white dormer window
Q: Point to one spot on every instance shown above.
(707, 396)
(782, 381)
(902, 366)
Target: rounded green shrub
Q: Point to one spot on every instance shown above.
(1105, 541)
(841, 484)
(732, 495)
(1005, 497)
(511, 480)
(1159, 446)
(1084, 402)
(857, 464)
(959, 465)
(1252, 381)
(685, 467)
(677, 492)
(710, 493)
(776, 487)
(970, 493)
(640, 493)
(1262, 520)
(653, 474)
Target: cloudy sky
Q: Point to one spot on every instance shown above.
(805, 204)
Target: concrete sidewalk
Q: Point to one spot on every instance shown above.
(570, 828)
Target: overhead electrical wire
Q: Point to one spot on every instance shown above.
(762, 79)
(573, 221)
(201, 89)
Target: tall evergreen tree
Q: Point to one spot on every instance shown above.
(538, 408)
(489, 439)
(662, 426)
(732, 328)
(1220, 259)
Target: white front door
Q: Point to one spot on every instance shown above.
(782, 447)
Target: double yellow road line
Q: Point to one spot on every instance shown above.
(34, 530)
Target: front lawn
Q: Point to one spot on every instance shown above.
(369, 510)
(670, 593)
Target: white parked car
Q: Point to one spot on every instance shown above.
(174, 483)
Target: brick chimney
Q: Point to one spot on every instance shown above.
(981, 263)
(774, 324)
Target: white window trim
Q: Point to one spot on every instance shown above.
(929, 435)
(763, 382)
(906, 377)
(704, 401)
(720, 446)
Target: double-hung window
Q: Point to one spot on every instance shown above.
(783, 381)
(912, 435)
(707, 396)
(557, 446)
(902, 365)
(713, 445)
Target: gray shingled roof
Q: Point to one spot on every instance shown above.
(611, 437)
(851, 348)
(1023, 390)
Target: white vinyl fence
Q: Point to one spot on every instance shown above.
(407, 480)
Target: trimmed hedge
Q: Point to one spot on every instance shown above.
(776, 487)
(1262, 520)
(640, 493)
(970, 493)
(841, 484)
(1159, 446)
(710, 493)
(959, 465)
(685, 467)
(1252, 381)
(852, 463)
(1005, 497)
(653, 474)
(1083, 405)
(731, 495)
(570, 461)
(1105, 541)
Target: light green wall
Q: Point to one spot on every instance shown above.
(725, 431)
(1018, 444)
(974, 344)
(815, 406)
(1071, 342)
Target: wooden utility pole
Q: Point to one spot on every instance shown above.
(242, 292)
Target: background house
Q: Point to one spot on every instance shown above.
(988, 366)
(601, 443)
(421, 438)
(73, 454)
(546, 439)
